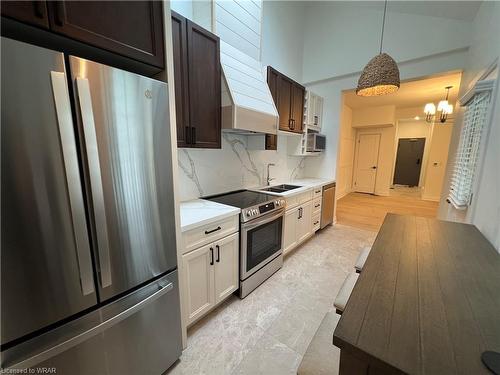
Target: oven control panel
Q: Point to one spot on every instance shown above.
(256, 211)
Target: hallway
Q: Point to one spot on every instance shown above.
(366, 211)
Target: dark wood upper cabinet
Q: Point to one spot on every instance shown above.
(197, 75)
(297, 107)
(271, 142)
(288, 97)
(130, 28)
(32, 12)
(179, 39)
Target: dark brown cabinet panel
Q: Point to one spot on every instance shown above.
(130, 28)
(284, 103)
(288, 97)
(271, 142)
(297, 107)
(179, 39)
(204, 86)
(32, 12)
(197, 76)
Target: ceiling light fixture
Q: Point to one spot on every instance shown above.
(381, 75)
(443, 106)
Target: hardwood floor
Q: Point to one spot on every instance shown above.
(368, 211)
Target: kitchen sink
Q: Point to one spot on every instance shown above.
(281, 188)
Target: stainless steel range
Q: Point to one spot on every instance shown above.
(261, 235)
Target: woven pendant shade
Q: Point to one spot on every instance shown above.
(379, 77)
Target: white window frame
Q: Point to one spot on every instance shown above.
(477, 114)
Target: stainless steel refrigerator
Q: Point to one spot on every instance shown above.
(88, 260)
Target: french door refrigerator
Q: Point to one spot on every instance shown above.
(88, 260)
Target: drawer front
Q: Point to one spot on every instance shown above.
(205, 234)
(317, 192)
(316, 205)
(305, 197)
(316, 221)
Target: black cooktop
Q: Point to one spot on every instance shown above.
(241, 198)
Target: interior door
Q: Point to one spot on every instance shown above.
(409, 161)
(123, 119)
(46, 265)
(366, 163)
(204, 87)
(226, 266)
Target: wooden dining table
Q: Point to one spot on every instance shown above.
(427, 301)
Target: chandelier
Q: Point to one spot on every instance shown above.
(443, 107)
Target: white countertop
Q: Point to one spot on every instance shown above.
(199, 212)
(304, 183)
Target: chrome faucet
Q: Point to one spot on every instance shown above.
(269, 179)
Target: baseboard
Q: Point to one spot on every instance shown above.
(430, 198)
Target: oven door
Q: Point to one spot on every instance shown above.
(260, 242)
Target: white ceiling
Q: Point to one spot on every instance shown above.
(411, 93)
(453, 9)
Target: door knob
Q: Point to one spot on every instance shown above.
(374, 167)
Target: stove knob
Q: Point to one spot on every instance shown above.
(249, 214)
(255, 211)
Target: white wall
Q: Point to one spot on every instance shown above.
(485, 209)
(437, 161)
(383, 115)
(283, 41)
(341, 37)
(347, 139)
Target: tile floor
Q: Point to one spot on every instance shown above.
(269, 331)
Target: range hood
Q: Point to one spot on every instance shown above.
(247, 104)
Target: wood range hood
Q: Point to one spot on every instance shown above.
(247, 104)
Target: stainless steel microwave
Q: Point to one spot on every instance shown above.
(315, 142)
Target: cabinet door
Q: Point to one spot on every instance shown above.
(179, 42)
(271, 142)
(304, 223)
(318, 111)
(130, 28)
(297, 111)
(32, 12)
(284, 103)
(226, 266)
(204, 87)
(289, 232)
(199, 281)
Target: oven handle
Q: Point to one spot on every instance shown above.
(262, 220)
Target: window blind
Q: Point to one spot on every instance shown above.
(462, 180)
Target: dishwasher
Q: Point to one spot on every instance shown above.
(328, 204)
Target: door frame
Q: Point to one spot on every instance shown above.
(356, 153)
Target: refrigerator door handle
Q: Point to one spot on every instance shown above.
(87, 116)
(68, 145)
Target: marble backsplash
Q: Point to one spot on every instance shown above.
(206, 172)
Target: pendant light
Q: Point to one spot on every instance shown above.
(381, 75)
(443, 106)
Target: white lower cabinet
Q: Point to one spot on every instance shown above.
(304, 222)
(289, 233)
(211, 275)
(298, 226)
(226, 267)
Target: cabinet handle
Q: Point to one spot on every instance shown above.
(59, 13)
(187, 134)
(300, 213)
(213, 230)
(290, 123)
(218, 253)
(316, 222)
(316, 206)
(211, 256)
(38, 9)
(193, 135)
